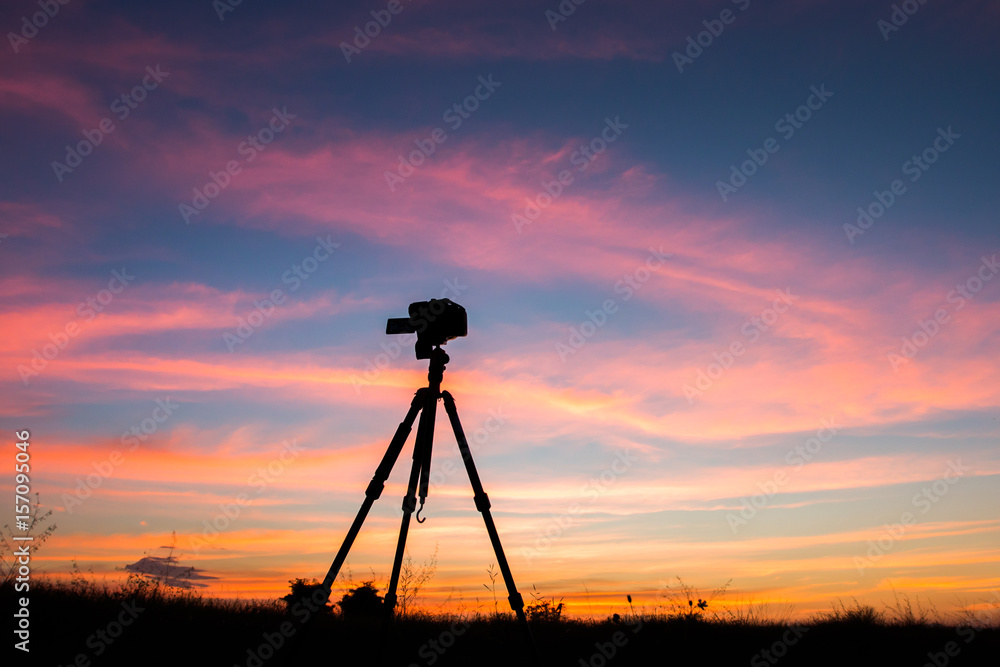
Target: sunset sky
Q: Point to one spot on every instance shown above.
(730, 270)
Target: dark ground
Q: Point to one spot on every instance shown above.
(141, 627)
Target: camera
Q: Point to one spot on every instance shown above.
(435, 322)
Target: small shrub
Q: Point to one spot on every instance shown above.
(544, 610)
(859, 614)
(905, 612)
(411, 579)
(685, 602)
(361, 602)
(301, 588)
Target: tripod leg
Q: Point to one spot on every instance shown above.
(421, 458)
(375, 487)
(483, 505)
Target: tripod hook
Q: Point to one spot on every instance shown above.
(419, 520)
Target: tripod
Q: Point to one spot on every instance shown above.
(425, 402)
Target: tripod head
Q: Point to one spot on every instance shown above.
(435, 370)
(435, 322)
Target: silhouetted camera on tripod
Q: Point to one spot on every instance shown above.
(435, 322)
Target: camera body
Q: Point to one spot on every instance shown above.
(435, 322)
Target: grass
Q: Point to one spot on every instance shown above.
(176, 627)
